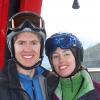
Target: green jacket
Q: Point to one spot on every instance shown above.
(75, 87)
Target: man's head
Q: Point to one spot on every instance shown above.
(27, 48)
(25, 22)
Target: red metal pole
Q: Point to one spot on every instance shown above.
(4, 6)
(31, 5)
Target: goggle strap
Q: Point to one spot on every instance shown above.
(13, 25)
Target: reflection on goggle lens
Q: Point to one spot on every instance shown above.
(20, 18)
(63, 41)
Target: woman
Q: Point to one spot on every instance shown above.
(65, 53)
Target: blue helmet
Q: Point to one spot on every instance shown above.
(65, 41)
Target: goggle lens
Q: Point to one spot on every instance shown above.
(18, 19)
(62, 41)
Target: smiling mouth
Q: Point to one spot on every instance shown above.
(63, 67)
(27, 57)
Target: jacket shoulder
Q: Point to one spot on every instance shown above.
(97, 86)
(50, 75)
(92, 95)
(52, 79)
(3, 79)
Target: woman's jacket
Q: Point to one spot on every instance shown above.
(86, 90)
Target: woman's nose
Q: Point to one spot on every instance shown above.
(61, 59)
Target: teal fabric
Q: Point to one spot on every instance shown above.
(31, 85)
(74, 87)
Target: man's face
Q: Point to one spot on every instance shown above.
(27, 48)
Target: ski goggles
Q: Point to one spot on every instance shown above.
(18, 19)
(64, 41)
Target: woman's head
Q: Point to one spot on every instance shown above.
(63, 61)
(65, 41)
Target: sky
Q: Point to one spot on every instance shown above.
(84, 22)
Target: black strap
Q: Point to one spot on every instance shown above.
(79, 88)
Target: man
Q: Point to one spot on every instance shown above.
(24, 78)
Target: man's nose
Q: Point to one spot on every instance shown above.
(28, 47)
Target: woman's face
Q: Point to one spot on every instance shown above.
(27, 48)
(63, 62)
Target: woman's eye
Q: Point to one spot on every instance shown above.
(66, 54)
(55, 56)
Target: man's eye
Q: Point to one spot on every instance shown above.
(20, 43)
(35, 43)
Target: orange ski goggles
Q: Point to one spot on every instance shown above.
(18, 19)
